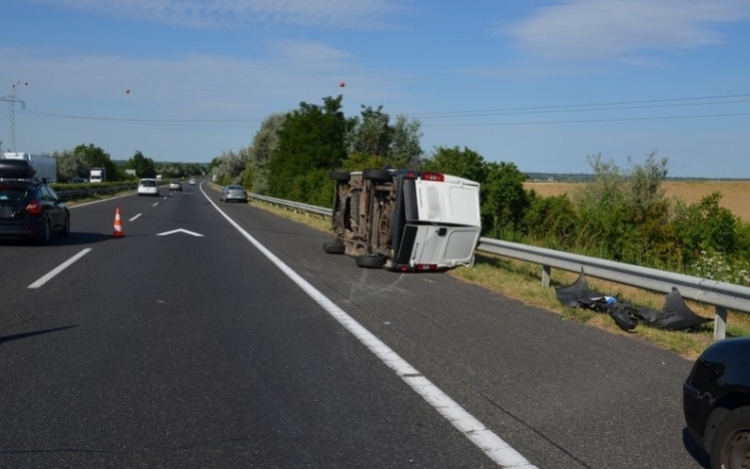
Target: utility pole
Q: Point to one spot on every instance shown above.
(12, 100)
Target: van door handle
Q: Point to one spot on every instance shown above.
(442, 231)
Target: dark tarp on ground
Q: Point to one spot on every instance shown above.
(675, 315)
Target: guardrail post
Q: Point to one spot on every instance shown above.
(720, 323)
(545, 275)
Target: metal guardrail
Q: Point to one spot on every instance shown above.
(296, 206)
(723, 296)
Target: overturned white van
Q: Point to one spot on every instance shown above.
(405, 220)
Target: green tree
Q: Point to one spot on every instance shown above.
(503, 200)
(706, 226)
(71, 165)
(464, 163)
(144, 167)
(405, 150)
(369, 134)
(372, 136)
(98, 158)
(311, 139)
(624, 212)
(230, 168)
(264, 144)
(551, 221)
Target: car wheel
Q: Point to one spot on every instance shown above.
(339, 176)
(730, 448)
(46, 236)
(333, 248)
(66, 228)
(370, 261)
(378, 175)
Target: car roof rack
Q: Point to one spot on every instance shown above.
(17, 169)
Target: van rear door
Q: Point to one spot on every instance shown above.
(431, 247)
(442, 199)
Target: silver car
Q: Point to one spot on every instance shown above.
(233, 192)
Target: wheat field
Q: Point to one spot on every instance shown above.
(735, 194)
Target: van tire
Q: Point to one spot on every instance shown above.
(378, 175)
(339, 176)
(332, 248)
(370, 261)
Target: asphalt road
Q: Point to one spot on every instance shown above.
(179, 351)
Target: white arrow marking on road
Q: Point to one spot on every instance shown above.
(191, 233)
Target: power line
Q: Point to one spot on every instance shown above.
(530, 110)
(586, 121)
(578, 107)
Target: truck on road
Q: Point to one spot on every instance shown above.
(97, 175)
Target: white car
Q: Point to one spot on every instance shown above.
(148, 186)
(192, 182)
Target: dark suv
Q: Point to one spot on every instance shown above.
(29, 208)
(716, 402)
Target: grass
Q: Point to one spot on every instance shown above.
(522, 281)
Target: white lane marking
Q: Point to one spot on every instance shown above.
(155, 204)
(491, 444)
(59, 269)
(180, 230)
(135, 217)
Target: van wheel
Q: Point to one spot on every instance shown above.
(378, 175)
(340, 176)
(332, 248)
(370, 261)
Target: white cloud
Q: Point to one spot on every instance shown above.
(616, 29)
(344, 14)
(190, 86)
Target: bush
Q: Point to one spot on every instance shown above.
(551, 221)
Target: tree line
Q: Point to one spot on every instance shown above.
(78, 162)
(620, 214)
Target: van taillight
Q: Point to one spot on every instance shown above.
(437, 177)
(34, 207)
(425, 267)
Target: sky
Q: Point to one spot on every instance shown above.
(542, 84)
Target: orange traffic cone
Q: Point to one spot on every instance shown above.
(118, 225)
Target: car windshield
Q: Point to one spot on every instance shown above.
(148, 183)
(234, 188)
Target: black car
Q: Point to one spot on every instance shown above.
(716, 403)
(29, 208)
